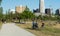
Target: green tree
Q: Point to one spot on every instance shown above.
(27, 14)
(1, 13)
(8, 15)
(0, 2)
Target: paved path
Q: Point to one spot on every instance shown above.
(10, 29)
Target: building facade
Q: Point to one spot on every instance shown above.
(36, 12)
(57, 12)
(48, 11)
(41, 9)
(12, 11)
(20, 9)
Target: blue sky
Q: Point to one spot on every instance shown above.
(32, 4)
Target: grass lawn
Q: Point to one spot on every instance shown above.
(0, 25)
(46, 31)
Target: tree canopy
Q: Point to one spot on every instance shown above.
(0, 2)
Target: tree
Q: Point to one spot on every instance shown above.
(27, 14)
(1, 10)
(0, 2)
(1, 13)
(8, 15)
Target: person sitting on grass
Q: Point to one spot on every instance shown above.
(42, 25)
(34, 25)
(3, 20)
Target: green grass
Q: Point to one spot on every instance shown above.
(46, 31)
(51, 31)
(0, 25)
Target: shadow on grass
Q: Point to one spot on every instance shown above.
(19, 23)
(45, 29)
(33, 29)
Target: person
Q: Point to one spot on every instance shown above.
(34, 25)
(42, 25)
(3, 20)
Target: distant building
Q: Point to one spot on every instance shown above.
(12, 10)
(20, 9)
(36, 12)
(57, 12)
(48, 11)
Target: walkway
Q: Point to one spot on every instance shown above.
(10, 29)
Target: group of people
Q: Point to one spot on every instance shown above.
(3, 20)
(35, 25)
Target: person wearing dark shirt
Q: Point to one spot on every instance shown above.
(42, 25)
(34, 25)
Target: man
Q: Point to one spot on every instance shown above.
(42, 25)
(34, 24)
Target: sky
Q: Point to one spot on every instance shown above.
(32, 4)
